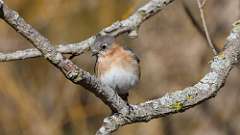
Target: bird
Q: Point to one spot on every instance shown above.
(116, 66)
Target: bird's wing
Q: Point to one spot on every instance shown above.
(135, 58)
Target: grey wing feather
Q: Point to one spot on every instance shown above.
(135, 56)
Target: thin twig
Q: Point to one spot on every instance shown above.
(196, 24)
(201, 5)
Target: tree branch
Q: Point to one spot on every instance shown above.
(130, 25)
(75, 48)
(182, 100)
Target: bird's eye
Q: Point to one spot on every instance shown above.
(104, 46)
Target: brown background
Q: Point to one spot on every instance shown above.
(35, 98)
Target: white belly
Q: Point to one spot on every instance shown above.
(120, 79)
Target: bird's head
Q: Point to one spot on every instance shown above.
(101, 44)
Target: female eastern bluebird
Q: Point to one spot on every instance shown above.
(116, 66)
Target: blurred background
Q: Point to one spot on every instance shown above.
(36, 99)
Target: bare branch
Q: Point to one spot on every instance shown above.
(75, 48)
(201, 5)
(130, 25)
(180, 101)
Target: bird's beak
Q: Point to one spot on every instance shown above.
(94, 53)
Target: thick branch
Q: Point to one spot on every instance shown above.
(70, 70)
(182, 100)
(130, 25)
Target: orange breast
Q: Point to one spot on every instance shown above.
(117, 56)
